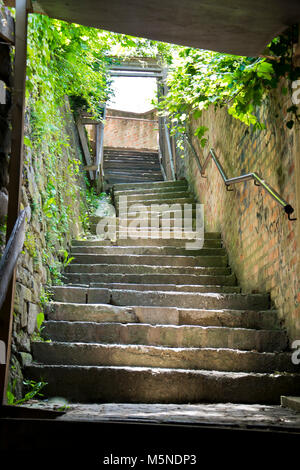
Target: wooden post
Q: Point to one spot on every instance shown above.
(15, 175)
(85, 147)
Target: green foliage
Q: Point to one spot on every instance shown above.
(33, 389)
(45, 296)
(37, 335)
(66, 260)
(67, 59)
(29, 244)
(2, 235)
(39, 321)
(199, 79)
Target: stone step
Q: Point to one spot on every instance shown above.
(146, 269)
(146, 250)
(171, 336)
(163, 299)
(154, 385)
(155, 185)
(153, 260)
(136, 191)
(152, 224)
(157, 200)
(146, 279)
(161, 195)
(153, 242)
(189, 239)
(62, 311)
(166, 287)
(221, 359)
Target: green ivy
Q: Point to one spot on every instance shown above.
(199, 79)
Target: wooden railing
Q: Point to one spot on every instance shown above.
(12, 251)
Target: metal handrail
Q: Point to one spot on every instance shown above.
(12, 251)
(168, 141)
(258, 181)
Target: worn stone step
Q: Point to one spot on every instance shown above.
(166, 287)
(154, 385)
(219, 359)
(208, 236)
(155, 185)
(112, 179)
(171, 336)
(137, 191)
(159, 201)
(58, 311)
(146, 269)
(163, 299)
(190, 240)
(146, 279)
(132, 222)
(63, 311)
(161, 195)
(155, 260)
(147, 250)
(153, 242)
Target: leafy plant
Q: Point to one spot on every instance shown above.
(33, 388)
(66, 259)
(199, 79)
(39, 321)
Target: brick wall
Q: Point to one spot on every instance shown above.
(261, 242)
(131, 130)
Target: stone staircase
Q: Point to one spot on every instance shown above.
(122, 166)
(147, 321)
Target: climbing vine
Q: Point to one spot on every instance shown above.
(199, 79)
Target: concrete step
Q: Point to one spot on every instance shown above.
(146, 250)
(155, 385)
(171, 336)
(163, 299)
(146, 279)
(153, 260)
(166, 287)
(62, 311)
(146, 269)
(155, 185)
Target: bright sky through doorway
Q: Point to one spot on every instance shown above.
(133, 94)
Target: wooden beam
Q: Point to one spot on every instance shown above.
(85, 147)
(15, 176)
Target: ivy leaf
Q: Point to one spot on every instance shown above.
(200, 131)
(197, 114)
(27, 142)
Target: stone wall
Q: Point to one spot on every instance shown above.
(44, 249)
(131, 130)
(261, 242)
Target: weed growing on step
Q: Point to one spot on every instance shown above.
(33, 390)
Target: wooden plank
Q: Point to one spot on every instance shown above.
(85, 147)
(15, 176)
